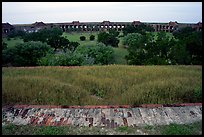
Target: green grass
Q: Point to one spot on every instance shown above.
(101, 85)
(75, 36)
(13, 41)
(184, 129)
(125, 129)
(119, 55)
(172, 129)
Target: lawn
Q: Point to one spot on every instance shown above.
(119, 55)
(75, 36)
(102, 85)
(13, 41)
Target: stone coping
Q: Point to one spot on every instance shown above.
(105, 106)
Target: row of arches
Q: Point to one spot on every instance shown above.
(94, 27)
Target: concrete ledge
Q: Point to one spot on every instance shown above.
(106, 106)
(109, 116)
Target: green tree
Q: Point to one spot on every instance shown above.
(73, 45)
(179, 54)
(192, 42)
(16, 33)
(92, 37)
(25, 54)
(82, 38)
(108, 39)
(129, 29)
(144, 49)
(141, 28)
(101, 54)
(4, 45)
(114, 32)
(194, 47)
(135, 42)
(183, 32)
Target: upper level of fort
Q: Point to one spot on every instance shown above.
(97, 26)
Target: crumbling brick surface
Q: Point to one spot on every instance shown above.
(102, 116)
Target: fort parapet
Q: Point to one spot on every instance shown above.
(97, 26)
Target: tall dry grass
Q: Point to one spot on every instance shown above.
(101, 85)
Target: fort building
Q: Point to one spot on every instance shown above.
(97, 26)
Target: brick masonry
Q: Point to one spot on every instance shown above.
(102, 116)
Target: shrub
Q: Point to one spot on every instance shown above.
(92, 37)
(16, 33)
(100, 53)
(198, 94)
(65, 59)
(25, 54)
(108, 39)
(73, 45)
(82, 38)
(4, 45)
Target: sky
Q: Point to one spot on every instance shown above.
(59, 12)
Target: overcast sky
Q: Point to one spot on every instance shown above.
(53, 12)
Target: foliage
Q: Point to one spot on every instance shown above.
(191, 40)
(4, 45)
(83, 55)
(82, 38)
(108, 39)
(64, 59)
(136, 45)
(16, 33)
(124, 129)
(73, 45)
(129, 29)
(175, 129)
(198, 94)
(52, 37)
(183, 32)
(119, 56)
(114, 32)
(163, 50)
(141, 28)
(100, 53)
(25, 54)
(92, 37)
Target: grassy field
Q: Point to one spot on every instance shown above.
(172, 129)
(119, 55)
(102, 85)
(13, 41)
(75, 36)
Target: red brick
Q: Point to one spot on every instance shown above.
(35, 121)
(48, 121)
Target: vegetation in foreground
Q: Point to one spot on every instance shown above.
(172, 129)
(102, 85)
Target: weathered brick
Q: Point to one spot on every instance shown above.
(125, 122)
(48, 121)
(24, 113)
(90, 122)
